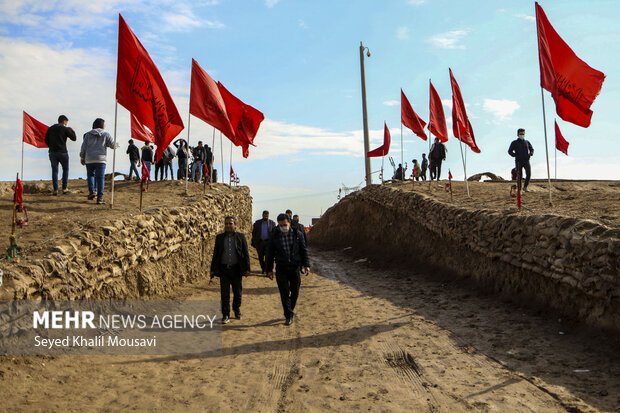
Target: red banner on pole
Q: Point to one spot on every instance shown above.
(385, 148)
(437, 118)
(34, 132)
(561, 144)
(461, 126)
(409, 118)
(139, 132)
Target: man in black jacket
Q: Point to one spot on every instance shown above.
(288, 249)
(56, 140)
(200, 155)
(261, 232)
(522, 150)
(437, 155)
(134, 159)
(231, 261)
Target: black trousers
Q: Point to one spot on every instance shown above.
(423, 174)
(231, 277)
(436, 169)
(528, 170)
(261, 250)
(289, 281)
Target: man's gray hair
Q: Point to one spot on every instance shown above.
(227, 217)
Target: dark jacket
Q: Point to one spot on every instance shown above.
(275, 251)
(200, 154)
(399, 173)
(56, 137)
(181, 146)
(257, 230)
(242, 253)
(438, 151)
(134, 153)
(521, 150)
(300, 227)
(424, 164)
(147, 154)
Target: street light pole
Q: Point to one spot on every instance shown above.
(365, 114)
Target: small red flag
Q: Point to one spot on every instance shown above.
(139, 131)
(561, 144)
(141, 89)
(34, 132)
(437, 122)
(449, 175)
(385, 148)
(409, 118)
(145, 172)
(206, 102)
(573, 84)
(18, 196)
(232, 172)
(461, 126)
(206, 169)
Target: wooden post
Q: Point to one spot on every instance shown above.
(141, 192)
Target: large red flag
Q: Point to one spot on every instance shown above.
(561, 144)
(461, 127)
(34, 132)
(206, 102)
(437, 121)
(385, 148)
(573, 84)
(139, 132)
(141, 89)
(409, 118)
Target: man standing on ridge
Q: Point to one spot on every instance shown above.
(261, 232)
(288, 249)
(134, 159)
(437, 155)
(93, 154)
(56, 140)
(522, 150)
(230, 262)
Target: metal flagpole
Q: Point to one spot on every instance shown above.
(542, 95)
(212, 155)
(402, 156)
(222, 156)
(189, 118)
(458, 133)
(430, 137)
(556, 160)
(382, 159)
(22, 158)
(113, 155)
(230, 176)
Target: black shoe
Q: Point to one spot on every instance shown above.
(289, 321)
(238, 315)
(91, 197)
(225, 319)
(100, 201)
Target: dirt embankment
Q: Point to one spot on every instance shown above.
(95, 252)
(566, 263)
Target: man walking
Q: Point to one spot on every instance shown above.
(522, 150)
(295, 224)
(199, 159)
(424, 167)
(134, 159)
(93, 155)
(56, 140)
(147, 155)
(230, 262)
(437, 156)
(288, 249)
(261, 232)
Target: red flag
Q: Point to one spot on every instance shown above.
(385, 148)
(139, 132)
(18, 196)
(449, 175)
(206, 169)
(573, 84)
(206, 102)
(437, 121)
(34, 132)
(561, 144)
(141, 89)
(409, 118)
(232, 172)
(145, 172)
(461, 127)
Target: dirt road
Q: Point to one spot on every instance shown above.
(365, 338)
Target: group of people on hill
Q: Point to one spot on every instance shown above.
(284, 244)
(437, 155)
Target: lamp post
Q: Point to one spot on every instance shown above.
(365, 114)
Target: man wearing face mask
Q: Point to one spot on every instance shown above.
(522, 150)
(288, 249)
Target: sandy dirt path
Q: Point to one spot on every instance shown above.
(365, 339)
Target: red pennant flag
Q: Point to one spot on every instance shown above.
(409, 118)
(573, 84)
(385, 148)
(561, 144)
(449, 175)
(206, 169)
(145, 172)
(141, 89)
(139, 132)
(461, 126)
(206, 102)
(232, 172)
(34, 132)
(437, 122)
(18, 196)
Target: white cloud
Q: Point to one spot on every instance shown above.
(271, 3)
(500, 108)
(449, 40)
(526, 17)
(402, 33)
(447, 103)
(417, 2)
(391, 103)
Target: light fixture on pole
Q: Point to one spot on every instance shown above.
(365, 115)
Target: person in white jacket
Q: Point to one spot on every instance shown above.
(93, 155)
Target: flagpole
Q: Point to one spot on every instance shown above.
(22, 158)
(222, 156)
(542, 95)
(189, 118)
(556, 158)
(458, 133)
(430, 136)
(213, 155)
(382, 159)
(402, 156)
(230, 177)
(114, 155)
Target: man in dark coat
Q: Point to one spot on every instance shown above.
(134, 159)
(56, 140)
(288, 249)
(231, 261)
(522, 150)
(261, 232)
(437, 155)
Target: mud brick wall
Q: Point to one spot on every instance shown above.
(569, 264)
(137, 256)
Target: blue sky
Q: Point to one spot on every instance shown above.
(298, 62)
